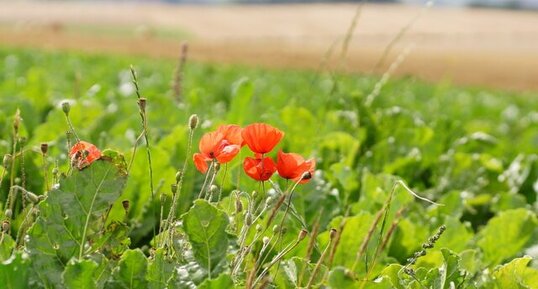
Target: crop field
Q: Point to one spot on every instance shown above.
(124, 171)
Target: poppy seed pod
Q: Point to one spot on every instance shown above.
(6, 162)
(125, 204)
(66, 107)
(302, 234)
(193, 121)
(44, 148)
(333, 233)
(5, 226)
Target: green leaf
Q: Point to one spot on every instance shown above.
(242, 92)
(80, 274)
(450, 271)
(506, 235)
(6, 247)
(340, 278)
(14, 272)
(72, 216)
(296, 273)
(160, 271)
(205, 227)
(223, 281)
(516, 274)
(131, 270)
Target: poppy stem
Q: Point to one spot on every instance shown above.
(200, 194)
(222, 183)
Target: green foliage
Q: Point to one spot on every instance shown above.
(205, 227)
(131, 271)
(72, 216)
(506, 234)
(471, 149)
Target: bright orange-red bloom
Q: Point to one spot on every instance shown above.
(292, 166)
(221, 145)
(82, 154)
(260, 169)
(261, 138)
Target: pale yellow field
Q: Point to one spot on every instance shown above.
(479, 47)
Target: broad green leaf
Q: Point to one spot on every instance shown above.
(7, 244)
(296, 273)
(223, 281)
(470, 261)
(506, 234)
(392, 273)
(205, 227)
(450, 271)
(72, 216)
(14, 272)
(131, 271)
(242, 93)
(160, 271)
(355, 230)
(80, 274)
(341, 278)
(516, 275)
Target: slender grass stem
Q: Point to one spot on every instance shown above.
(144, 119)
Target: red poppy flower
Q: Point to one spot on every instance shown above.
(261, 138)
(232, 133)
(260, 169)
(82, 154)
(222, 145)
(292, 166)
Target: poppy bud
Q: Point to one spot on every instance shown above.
(248, 219)
(217, 167)
(213, 189)
(5, 226)
(333, 233)
(32, 197)
(178, 176)
(259, 228)
(17, 121)
(302, 234)
(193, 121)
(7, 160)
(142, 104)
(266, 240)
(8, 213)
(238, 206)
(173, 188)
(17, 181)
(66, 107)
(44, 148)
(306, 176)
(275, 229)
(125, 204)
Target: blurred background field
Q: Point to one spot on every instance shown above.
(485, 47)
(457, 120)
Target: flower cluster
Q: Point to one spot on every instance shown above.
(222, 145)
